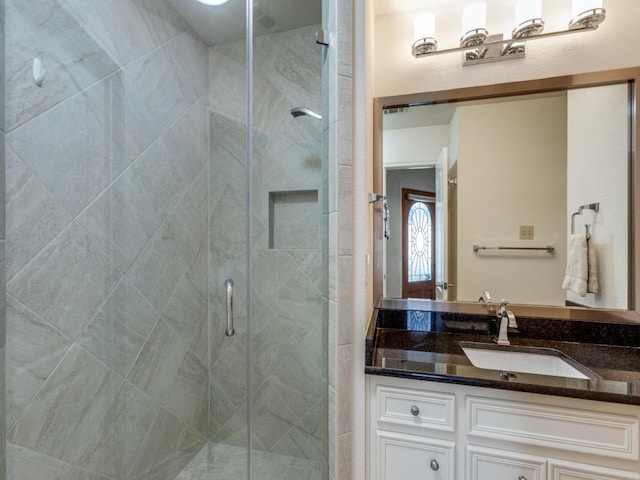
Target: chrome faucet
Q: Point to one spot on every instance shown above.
(486, 298)
(507, 320)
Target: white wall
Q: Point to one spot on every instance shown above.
(597, 172)
(418, 145)
(511, 172)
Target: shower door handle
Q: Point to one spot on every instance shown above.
(229, 288)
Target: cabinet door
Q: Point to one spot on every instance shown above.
(493, 464)
(563, 470)
(409, 457)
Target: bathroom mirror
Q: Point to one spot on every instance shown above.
(529, 163)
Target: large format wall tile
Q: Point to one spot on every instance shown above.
(73, 153)
(68, 301)
(157, 363)
(34, 215)
(119, 329)
(23, 463)
(68, 407)
(129, 212)
(160, 266)
(188, 395)
(35, 349)
(71, 58)
(117, 26)
(115, 443)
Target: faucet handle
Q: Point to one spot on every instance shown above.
(485, 297)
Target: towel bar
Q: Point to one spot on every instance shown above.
(548, 248)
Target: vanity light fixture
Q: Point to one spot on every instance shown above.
(478, 46)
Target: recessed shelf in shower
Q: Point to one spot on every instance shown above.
(294, 220)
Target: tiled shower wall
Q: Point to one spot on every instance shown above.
(2, 257)
(107, 212)
(289, 274)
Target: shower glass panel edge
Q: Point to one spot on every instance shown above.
(288, 245)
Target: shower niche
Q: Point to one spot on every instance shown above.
(294, 220)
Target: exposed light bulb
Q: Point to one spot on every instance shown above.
(527, 10)
(424, 26)
(474, 16)
(581, 6)
(212, 3)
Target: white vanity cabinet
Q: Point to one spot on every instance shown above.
(428, 430)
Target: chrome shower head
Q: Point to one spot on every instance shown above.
(299, 111)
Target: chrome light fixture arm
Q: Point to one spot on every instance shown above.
(480, 47)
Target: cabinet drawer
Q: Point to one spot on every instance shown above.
(408, 457)
(555, 427)
(416, 408)
(562, 470)
(492, 464)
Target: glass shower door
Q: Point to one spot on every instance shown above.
(154, 161)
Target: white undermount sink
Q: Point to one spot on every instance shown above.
(540, 361)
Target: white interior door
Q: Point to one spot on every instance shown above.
(442, 225)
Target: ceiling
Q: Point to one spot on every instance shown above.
(226, 22)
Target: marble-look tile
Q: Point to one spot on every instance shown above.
(298, 152)
(23, 463)
(225, 418)
(3, 417)
(113, 446)
(119, 329)
(68, 301)
(117, 26)
(228, 374)
(345, 215)
(298, 304)
(72, 59)
(73, 153)
(165, 435)
(158, 361)
(160, 266)
(34, 351)
(345, 389)
(155, 91)
(226, 85)
(200, 342)
(162, 19)
(345, 39)
(198, 271)
(273, 418)
(126, 215)
(67, 408)
(228, 222)
(308, 438)
(79, 473)
(185, 309)
(189, 57)
(300, 382)
(34, 215)
(188, 395)
(292, 61)
(3, 160)
(271, 346)
(189, 446)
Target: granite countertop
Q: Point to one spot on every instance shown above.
(425, 345)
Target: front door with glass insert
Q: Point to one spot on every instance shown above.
(418, 244)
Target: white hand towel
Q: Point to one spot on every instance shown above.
(592, 277)
(577, 273)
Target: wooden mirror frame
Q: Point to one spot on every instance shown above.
(629, 75)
